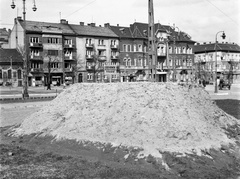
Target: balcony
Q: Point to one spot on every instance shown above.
(69, 46)
(102, 58)
(114, 57)
(68, 70)
(89, 46)
(89, 57)
(90, 68)
(69, 57)
(35, 45)
(36, 57)
(161, 54)
(114, 47)
(36, 70)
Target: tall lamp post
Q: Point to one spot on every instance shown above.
(215, 48)
(25, 62)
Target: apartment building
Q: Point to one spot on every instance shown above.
(97, 50)
(226, 55)
(174, 53)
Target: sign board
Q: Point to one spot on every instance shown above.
(110, 69)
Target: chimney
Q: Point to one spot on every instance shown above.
(107, 25)
(204, 43)
(82, 23)
(117, 25)
(93, 24)
(63, 21)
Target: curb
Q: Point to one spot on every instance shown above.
(20, 99)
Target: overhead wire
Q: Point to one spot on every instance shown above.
(81, 8)
(222, 12)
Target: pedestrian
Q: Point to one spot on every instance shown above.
(204, 83)
(49, 86)
(64, 85)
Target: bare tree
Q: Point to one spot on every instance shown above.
(51, 60)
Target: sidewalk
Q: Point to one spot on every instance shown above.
(35, 93)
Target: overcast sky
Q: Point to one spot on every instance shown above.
(201, 19)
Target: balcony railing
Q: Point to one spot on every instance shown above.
(69, 46)
(69, 57)
(88, 67)
(34, 57)
(115, 57)
(114, 46)
(37, 70)
(89, 45)
(89, 57)
(161, 54)
(102, 58)
(35, 45)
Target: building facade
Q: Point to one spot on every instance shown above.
(11, 67)
(63, 52)
(226, 55)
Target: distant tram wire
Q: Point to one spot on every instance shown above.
(81, 8)
(222, 12)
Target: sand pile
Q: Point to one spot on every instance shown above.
(154, 116)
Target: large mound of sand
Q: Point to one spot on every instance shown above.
(156, 117)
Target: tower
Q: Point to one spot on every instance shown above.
(151, 41)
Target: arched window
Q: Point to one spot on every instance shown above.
(129, 62)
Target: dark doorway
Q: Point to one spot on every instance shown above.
(80, 78)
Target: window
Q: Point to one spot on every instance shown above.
(34, 52)
(113, 42)
(34, 39)
(100, 42)
(68, 53)
(114, 76)
(140, 62)
(89, 76)
(134, 48)
(129, 62)
(35, 65)
(53, 40)
(101, 52)
(135, 62)
(140, 48)
(145, 62)
(89, 41)
(19, 74)
(68, 42)
(183, 50)
(9, 72)
(170, 49)
(54, 65)
(124, 48)
(53, 52)
(0, 73)
(129, 48)
(89, 52)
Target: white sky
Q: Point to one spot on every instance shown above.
(201, 19)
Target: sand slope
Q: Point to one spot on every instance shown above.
(154, 116)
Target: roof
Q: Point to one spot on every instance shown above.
(122, 32)
(143, 27)
(228, 47)
(47, 27)
(65, 28)
(6, 54)
(88, 30)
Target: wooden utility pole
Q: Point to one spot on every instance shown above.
(151, 41)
